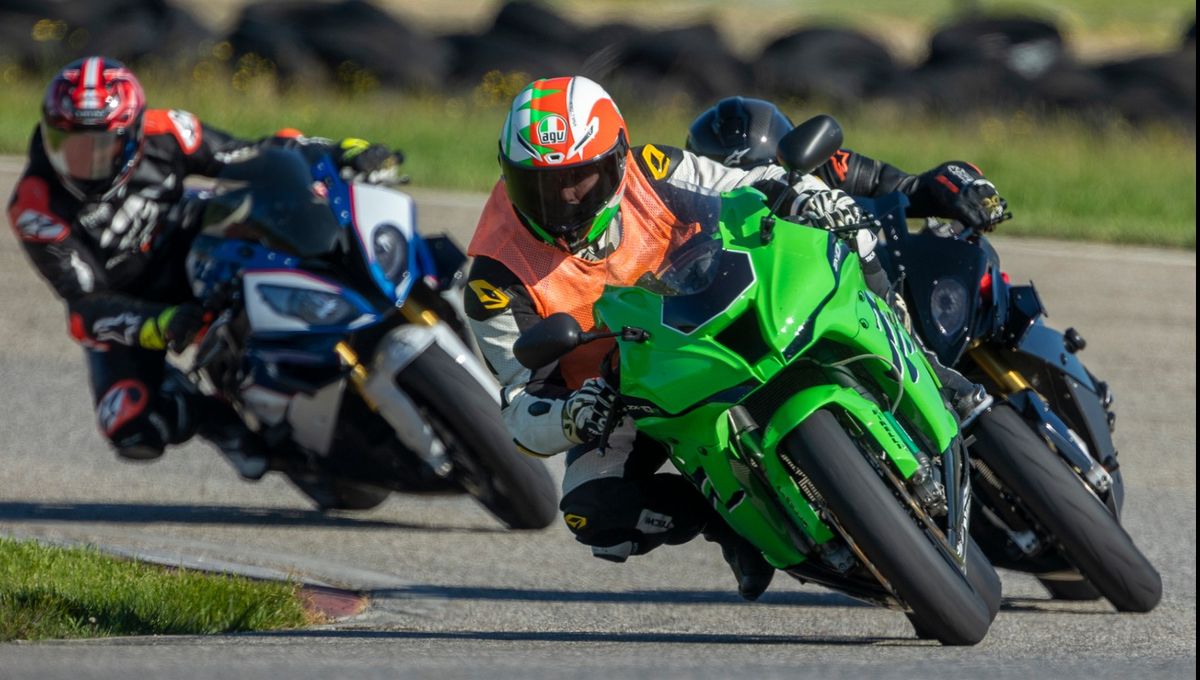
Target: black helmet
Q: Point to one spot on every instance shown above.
(739, 132)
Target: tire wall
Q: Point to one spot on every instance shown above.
(981, 63)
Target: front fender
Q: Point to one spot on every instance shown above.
(405, 343)
(880, 425)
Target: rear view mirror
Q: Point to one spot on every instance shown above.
(548, 340)
(808, 145)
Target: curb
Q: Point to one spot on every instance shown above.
(322, 601)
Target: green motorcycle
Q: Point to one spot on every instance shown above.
(794, 400)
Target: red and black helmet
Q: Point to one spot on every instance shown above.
(92, 126)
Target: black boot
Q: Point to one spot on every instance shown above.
(750, 568)
(218, 423)
(243, 448)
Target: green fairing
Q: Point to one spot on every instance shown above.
(807, 296)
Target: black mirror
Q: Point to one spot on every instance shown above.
(548, 340)
(810, 144)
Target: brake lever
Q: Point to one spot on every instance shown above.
(610, 423)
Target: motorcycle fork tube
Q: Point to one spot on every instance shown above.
(1009, 380)
(417, 314)
(358, 372)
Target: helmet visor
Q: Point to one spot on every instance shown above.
(563, 200)
(88, 156)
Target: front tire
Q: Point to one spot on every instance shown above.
(1088, 534)
(943, 603)
(515, 487)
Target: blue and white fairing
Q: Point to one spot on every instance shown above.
(281, 298)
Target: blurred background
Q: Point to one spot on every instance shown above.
(1083, 113)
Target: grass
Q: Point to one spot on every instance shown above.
(48, 592)
(1063, 178)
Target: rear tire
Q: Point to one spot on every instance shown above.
(515, 487)
(1088, 534)
(943, 602)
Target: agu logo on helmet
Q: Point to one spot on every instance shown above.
(552, 130)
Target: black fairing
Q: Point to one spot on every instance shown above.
(1010, 318)
(923, 259)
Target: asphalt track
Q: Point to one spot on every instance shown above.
(454, 595)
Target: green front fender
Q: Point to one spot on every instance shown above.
(878, 424)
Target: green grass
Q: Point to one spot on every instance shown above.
(48, 592)
(1063, 178)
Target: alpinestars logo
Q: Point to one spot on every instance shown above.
(122, 328)
(735, 158)
(552, 130)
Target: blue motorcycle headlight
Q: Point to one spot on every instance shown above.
(313, 307)
(948, 303)
(390, 250)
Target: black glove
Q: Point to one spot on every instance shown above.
(174, 328)
(372, 163)
(964, 194)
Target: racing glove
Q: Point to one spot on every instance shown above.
(824, 208)
(964, 194)
(586, 409)
(174, 328)
(371, 163)
(830, 209)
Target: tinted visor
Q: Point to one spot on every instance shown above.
(562, 200)
(88, 156)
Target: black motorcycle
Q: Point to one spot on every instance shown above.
(1048, 487)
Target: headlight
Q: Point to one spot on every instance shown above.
(949, 305)
(313, 307)
(390, 249)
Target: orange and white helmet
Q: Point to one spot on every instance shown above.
(562, 151)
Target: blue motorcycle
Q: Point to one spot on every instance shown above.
(337, 338)
(1047, 485)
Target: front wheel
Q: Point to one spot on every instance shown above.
(515, 487)
(983, 579)
(1089, 535)
(943, 602)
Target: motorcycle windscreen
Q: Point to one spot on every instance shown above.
(271, 198)
(697, 278)
(941, 281)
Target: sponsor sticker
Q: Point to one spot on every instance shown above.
(37, 227)
(656, 160)
(489, 296)
(552, 130)
(123, 402)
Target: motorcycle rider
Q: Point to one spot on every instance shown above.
(574, 204)
(98, 210)
(744, 132)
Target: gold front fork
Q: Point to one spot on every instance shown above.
(1009, 380)
(358, 372)
(415, 314)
